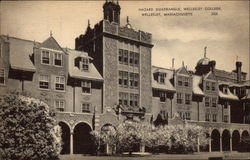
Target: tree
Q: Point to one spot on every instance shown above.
(27, 129)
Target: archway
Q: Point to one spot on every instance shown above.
(65, 138)
(226, 140)
(235, 140)
(215, 140)
(82, 140)
(245, 140)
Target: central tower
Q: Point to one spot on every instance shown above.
(123, 57)
(111, 11)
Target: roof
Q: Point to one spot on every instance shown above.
(169, 72)
(20, 52)
(167, 86)
(196, 88)
(51, 43)
(203, 61)
(229, 95)
(75, 72)
(163, 86)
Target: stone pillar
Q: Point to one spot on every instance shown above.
(107, 148)
(210, 144)
(231, 144)
(220, 143)
(71, 142)
(198, 144)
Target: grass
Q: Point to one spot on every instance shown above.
(195, 156)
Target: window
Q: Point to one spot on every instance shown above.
(162, 77)
(213, 86)
(186, 81)
(207, 86)
(179, 98)
(187, 98)
(86, 87)
(131, 80)
(58, 59)
(134, 99)
(163, 96)
(2, 76)
(85, 107)
(207, 103)
(45, 57)
(136, 59)
(85, 64)
(120, 78)
(123, 98)
(120, 55)
(136, 82)
(225, 118)
(59, 105)
(187, 116)
(131, 58)
(214, 103)
(207, 117)
(179, 81)
(60, 83)
(125, 56)
(125, 79)
(214, 117)
(44, 81)
(225, 90)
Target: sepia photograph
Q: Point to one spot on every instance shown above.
(124, 79)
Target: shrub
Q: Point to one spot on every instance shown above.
(27, 129)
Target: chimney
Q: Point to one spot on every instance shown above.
(238, 70)
(212, 66)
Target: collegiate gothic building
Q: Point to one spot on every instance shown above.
(108, 78)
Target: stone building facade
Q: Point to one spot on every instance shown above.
(109, 78)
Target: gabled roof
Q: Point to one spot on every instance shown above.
(51, 43)
(20, 51)
(182, 70)
(229, 95)
(196, 85)
(75, 72)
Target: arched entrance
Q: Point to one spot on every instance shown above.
(245, 140)
(82, 139)
(65, 138)
(235, 140)
(215, 140)
(226, 140)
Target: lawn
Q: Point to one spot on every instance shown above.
(195, 156)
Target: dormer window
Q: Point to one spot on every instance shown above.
(225, 90)
(58, 59)
(45, 57)
(162, 77)
(85, 64)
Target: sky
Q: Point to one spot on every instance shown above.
(183, 38)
